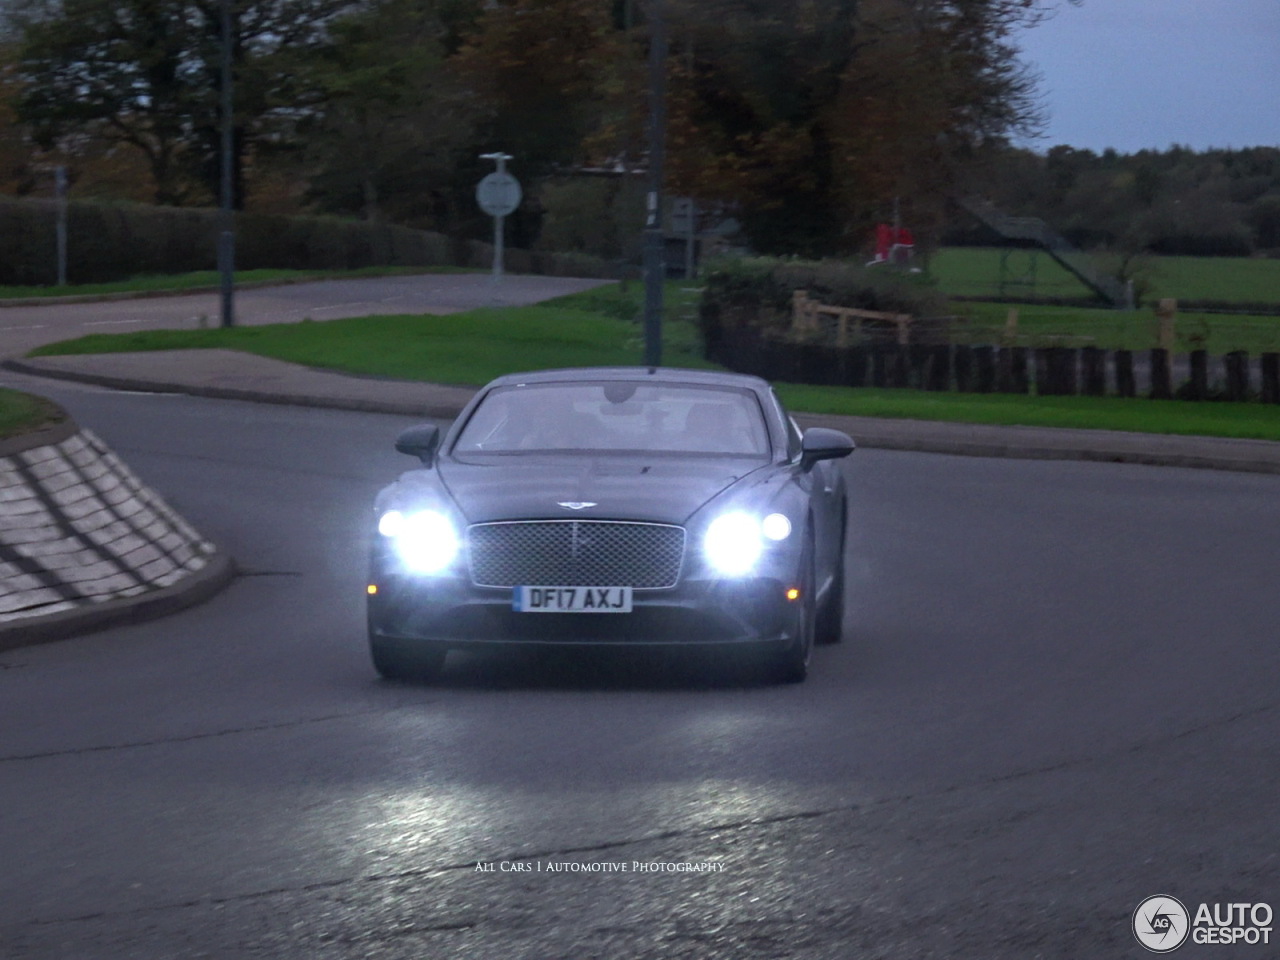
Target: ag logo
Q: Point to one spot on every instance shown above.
(1161, 924)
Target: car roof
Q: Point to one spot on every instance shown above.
(663, 374)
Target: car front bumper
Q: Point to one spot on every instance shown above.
(452, 612)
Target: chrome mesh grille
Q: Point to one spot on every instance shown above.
(572, 553)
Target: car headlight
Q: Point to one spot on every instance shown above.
(734, 541)
(425, 540)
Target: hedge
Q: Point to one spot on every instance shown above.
(108, 242)
(756, 293)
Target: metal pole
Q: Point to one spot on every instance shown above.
(500, 159)
(654, 254)
(497, 248)
(60, 192)
(689, 235)
(227, 235)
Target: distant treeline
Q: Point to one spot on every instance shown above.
(1175, 201)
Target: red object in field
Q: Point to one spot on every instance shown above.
(884, 240)
(890, 240)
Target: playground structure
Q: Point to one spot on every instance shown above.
(1043, 236)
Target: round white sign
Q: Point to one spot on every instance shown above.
(498, 194)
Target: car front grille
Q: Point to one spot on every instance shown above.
(574, 553)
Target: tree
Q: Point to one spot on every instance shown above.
(390, 117)
(811, 118)
(541, 67)
(146, 73)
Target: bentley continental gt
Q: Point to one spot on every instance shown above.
(613, 507)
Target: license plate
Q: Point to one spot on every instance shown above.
(571, 599)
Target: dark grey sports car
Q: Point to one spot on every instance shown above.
(612, 507)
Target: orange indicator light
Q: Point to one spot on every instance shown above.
(371, 589)
(793, 593)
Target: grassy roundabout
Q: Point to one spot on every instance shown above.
(23, 413)
(598, 327)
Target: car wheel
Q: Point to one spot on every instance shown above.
(791, 665)
(396, 659)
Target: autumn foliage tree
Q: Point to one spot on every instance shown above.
(146, 74)
(810, 118)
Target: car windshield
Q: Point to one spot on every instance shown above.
(617, 416)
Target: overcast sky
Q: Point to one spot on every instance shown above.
(1135, 74)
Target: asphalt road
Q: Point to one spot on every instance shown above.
(1057, 699)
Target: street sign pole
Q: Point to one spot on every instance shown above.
(498, 195)
(60, 192)
(226, 215)
(655, 268)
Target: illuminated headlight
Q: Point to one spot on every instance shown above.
(776, 526)
(425, 541)
(735, 541)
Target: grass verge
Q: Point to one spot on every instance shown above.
(1241, 420)
(596, 328)
(23, 413)
(600, 327)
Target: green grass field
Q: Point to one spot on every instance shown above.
(586, 329)
(975, 272)
(1041, 325)
(600, 327)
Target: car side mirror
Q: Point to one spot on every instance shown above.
(420, 441)
(822, 443)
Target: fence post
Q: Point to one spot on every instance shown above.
(879, 365)
(1058, 364)
(939, 376)
(985, 363)
(1162, 355)
(918, 357)
(1011, 327)
(1019, 382)
(1271, 378)
(964, 367)
(900, 367)
(1161, 375)
(856, 366)
(1166, 318)
(1094, 363)
(1237, 364)
(1124, 374)
(1198, 386)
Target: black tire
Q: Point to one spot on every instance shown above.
(830, 627)
(406, 660)
(791, 665)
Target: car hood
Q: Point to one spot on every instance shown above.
(659, 489)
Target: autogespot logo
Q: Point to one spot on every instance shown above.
(1161, 924)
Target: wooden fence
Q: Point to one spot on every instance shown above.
(1048, 371)
(842, 346)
